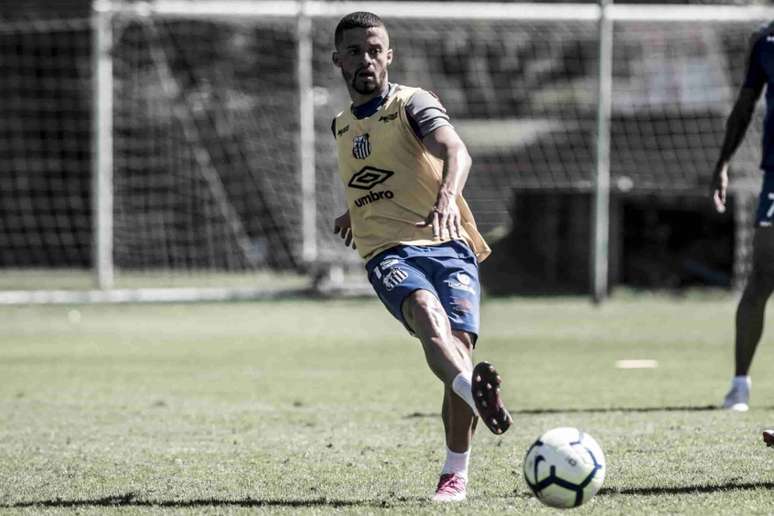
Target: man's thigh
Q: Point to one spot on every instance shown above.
(394, 279)
(764, 216)
(448, 271)
(763, 253)
(457, 283)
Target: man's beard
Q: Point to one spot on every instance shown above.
(367, 87)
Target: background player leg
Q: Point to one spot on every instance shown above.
(750, 317)
(750, 314)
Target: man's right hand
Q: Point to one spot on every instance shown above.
(343, 226)
(719, 186)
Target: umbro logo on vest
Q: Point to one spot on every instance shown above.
(361, 147)
(368, 177)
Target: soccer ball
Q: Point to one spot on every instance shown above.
(565, 467)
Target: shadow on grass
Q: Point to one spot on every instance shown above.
(592, 410)
(706, 488)
(129, 500)
(698, 408)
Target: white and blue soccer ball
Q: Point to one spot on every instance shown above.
(565, 467)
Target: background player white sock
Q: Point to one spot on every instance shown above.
(462, 387)
(456, 463)
(742, 382)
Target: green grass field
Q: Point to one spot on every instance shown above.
(327, 406)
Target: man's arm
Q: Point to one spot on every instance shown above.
(342, 224)
(738, 122)
(736, 127)
(445, 144)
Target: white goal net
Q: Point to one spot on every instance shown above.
(187, 145)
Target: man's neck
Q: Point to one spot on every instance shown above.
(359, 99)
(371, 104)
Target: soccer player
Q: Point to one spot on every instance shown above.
(404, 167)
(751, 310)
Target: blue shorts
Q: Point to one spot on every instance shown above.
(765, 215)
(448, 270)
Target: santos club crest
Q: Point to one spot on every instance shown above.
(361, 147)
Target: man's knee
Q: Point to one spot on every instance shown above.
(761, 281)
(422, 309)
(760, 284)
(466, 339)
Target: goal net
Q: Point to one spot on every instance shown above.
(187, 144)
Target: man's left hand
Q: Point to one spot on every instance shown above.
(719, 186)
(445, 218)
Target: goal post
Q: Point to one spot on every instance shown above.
(212, 171)
(600, 212)
(102, 146)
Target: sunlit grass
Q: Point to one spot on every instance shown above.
(327, 406)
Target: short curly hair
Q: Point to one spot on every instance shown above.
(359, 19)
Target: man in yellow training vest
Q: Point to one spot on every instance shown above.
(404, 167)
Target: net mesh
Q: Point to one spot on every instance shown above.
(206, 134)
(44, 144)
(205, 137)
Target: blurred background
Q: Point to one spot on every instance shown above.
(213, 172)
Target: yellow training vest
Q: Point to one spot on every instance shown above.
(392, 180)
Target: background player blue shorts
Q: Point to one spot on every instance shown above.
(765, 215)
(448, 270)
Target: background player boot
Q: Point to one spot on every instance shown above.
(451, 488)
(486, 393)
(737, 398)
(768, 437)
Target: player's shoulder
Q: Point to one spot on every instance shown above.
(339, 115)
(343, 116)
(335, 122)
(415, 95)
(763, 32)
(403, 92)
(407, 92)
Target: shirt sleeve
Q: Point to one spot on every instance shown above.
(755, 76)
(425, 113)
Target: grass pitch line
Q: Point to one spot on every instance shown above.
(636, 364)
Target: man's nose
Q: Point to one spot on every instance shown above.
(366, 58)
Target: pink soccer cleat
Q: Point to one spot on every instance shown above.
(451, 488)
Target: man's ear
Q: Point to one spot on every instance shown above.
(335, 58)
(389, 56)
